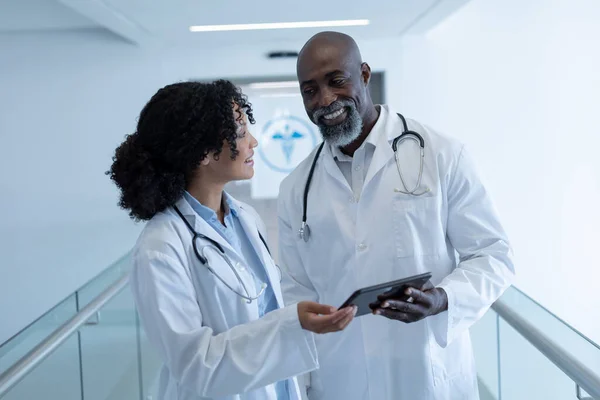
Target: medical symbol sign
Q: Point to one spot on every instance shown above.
(285, 141)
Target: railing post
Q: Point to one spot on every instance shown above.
(498, 344)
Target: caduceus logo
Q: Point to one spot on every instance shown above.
(285, 142)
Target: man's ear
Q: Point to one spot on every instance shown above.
(365, 72)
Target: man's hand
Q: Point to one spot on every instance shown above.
(420, 304)
(319, 318)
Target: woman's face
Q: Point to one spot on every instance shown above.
(242, 168)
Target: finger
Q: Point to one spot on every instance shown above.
(395, 295)
(346, 321)
(317, 323)
(320, 308)
(419, 296)
(384, 296)
(403, 306)
(398, 295)
(344, 313)
(340, 325)
(323, 321)
(395, 315)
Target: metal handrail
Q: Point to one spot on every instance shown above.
(556, 317)
(40, 352)
(583, 376)
(579, 373)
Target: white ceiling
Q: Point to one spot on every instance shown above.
(37, 15)
(167, 22)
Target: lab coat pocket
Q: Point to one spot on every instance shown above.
(417, 228)
(451, 362)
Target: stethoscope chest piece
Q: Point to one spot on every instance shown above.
(304, 232)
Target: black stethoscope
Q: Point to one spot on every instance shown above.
(215, 246)
(304, 231)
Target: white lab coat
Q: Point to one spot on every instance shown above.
(213, 343)
(387, 235)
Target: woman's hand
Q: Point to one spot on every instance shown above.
(319, 318)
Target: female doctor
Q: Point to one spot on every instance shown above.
(206, 288)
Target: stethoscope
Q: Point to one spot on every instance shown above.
(304, 231)
(214, 246)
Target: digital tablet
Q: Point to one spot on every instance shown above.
(368, 295)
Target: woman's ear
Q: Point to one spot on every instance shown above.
(205, 160)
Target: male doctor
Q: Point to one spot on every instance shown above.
(366, 228)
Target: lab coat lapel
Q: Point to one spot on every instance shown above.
(331, 167)
(250, 226)
(392, 127)
(203, 227)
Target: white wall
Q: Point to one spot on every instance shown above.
(66, 101)
(518, 82)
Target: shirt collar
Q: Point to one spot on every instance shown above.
(229, 205)
(377, 130)
(207, 213)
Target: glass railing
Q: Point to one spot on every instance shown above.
(511, 367)
(107, 359)
(58, 377)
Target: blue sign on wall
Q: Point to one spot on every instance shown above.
(285, 142)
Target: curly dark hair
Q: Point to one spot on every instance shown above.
(181, 124)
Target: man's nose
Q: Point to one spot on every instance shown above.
(326, 98)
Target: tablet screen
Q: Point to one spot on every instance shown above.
(368, 295)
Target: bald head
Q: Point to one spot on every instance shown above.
(329, 44)
(334, 86)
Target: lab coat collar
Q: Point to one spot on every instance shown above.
(203, 227)
(245, 217)
(251, 227)
(208, 213)
(332, 168)
(389, 127)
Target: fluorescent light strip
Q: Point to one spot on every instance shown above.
(278, 25)
(274, 85)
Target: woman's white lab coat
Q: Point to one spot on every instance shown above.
(388, 235)
(212, 342)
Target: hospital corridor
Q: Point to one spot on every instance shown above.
(278, 200)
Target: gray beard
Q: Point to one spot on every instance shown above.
(343, 134)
